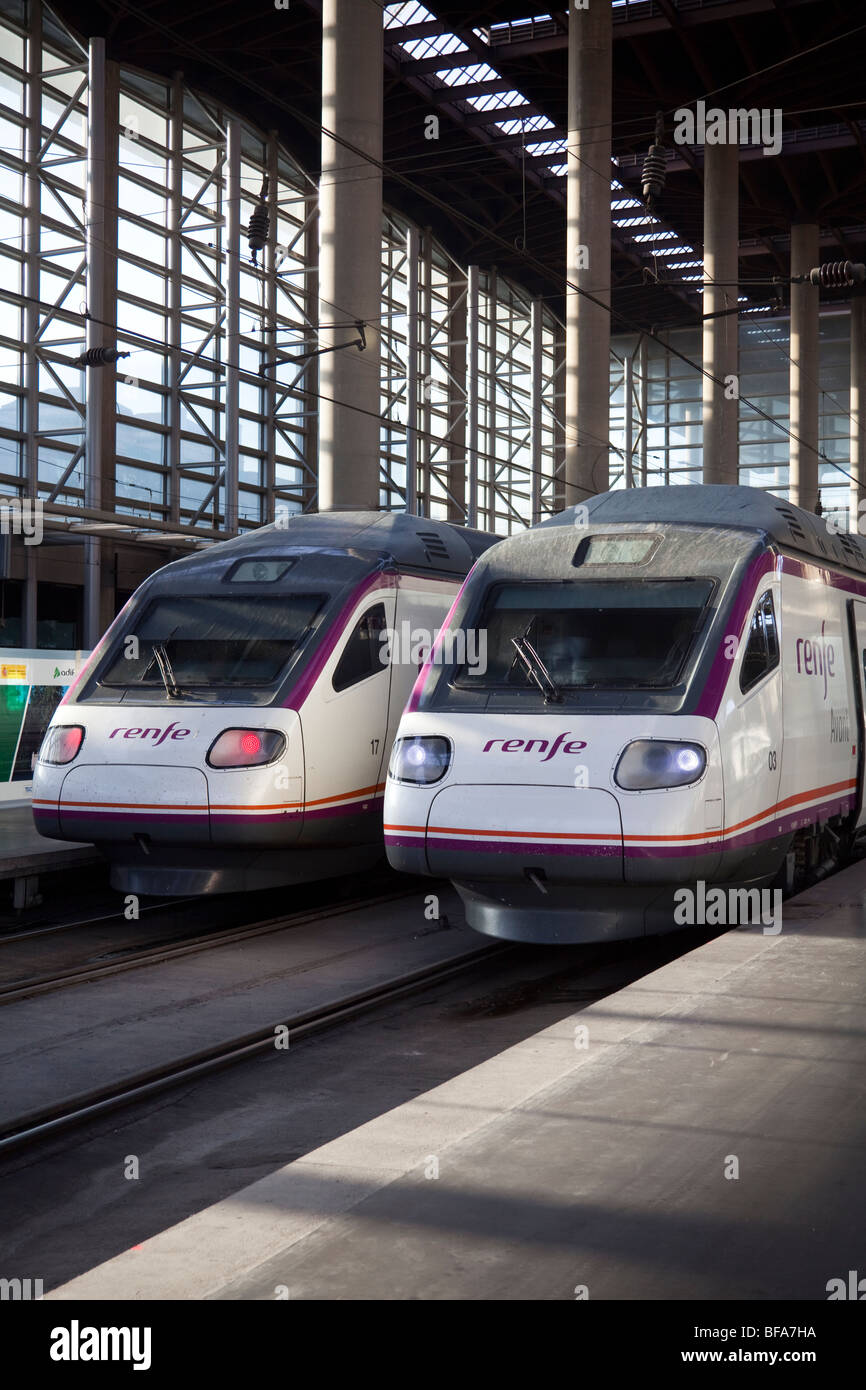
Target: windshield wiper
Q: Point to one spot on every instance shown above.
(172, 689)
(536, 668)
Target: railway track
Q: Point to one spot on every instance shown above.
(78, 1110)
(11, 938)
(152, 955)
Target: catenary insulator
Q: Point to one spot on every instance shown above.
(99, 357)
(652, 179)
(257, 232)
(260, 223)
(836, 274)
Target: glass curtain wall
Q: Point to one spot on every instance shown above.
(668, 405)
(168, 265)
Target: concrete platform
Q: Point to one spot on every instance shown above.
(25, 854)
(708, 1142)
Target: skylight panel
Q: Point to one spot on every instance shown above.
(526, 123)
(398, 16)
(541, 147)
(430, 47)
(666, 250)
(510, 98)
(475, 72)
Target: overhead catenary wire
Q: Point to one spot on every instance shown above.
(487, 233)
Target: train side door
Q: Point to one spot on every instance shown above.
(857, 633)
(345, 729)
(751, 724)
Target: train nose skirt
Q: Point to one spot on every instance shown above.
(162, 804)
(539, 834)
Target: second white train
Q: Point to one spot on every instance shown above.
(673, 696)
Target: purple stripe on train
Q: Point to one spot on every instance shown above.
(199, 818)
(508, 847)
(354, 808)
(784, 825)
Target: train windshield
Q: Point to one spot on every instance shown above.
(593, 635)
(187, 643)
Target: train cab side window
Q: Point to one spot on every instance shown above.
(762, 649)
(362, 654)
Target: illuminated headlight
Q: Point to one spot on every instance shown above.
(246, 748)
(421, 759)
(61, 743)
(652, 762)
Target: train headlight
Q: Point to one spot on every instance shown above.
(650, 763)
(422, 760)
(61, 744)
(246, 748)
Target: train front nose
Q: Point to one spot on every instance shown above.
(540, 833)
(197, 780)
(162, 804)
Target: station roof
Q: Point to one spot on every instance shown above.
(492, 187)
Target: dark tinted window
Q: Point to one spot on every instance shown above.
(362, 656)
(762, 647)
(225, 641)
(592, 635)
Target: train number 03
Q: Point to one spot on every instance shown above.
(771, 760)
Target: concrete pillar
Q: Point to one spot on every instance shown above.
(96, 378)
(721, 268)
(32, 233)
(587, 252)
(350, 257)
(858, 410)
(805, 252)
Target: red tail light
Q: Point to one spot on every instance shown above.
(61, 744)
(246, 748)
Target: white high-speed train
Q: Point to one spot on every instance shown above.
(673, 695)
(232, 728)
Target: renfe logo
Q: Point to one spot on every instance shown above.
(816, 657)
(518, 745)
(158, 735)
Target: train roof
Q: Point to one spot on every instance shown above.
(414, 541)
(722, 506)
